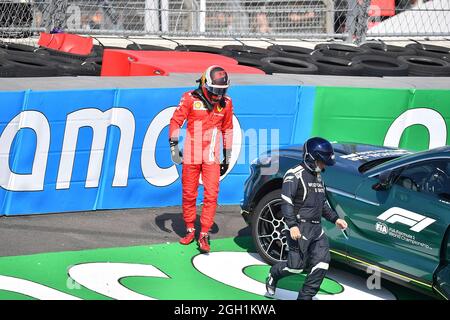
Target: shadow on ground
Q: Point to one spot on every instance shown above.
(178, 225)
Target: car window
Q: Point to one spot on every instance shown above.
(372, 164)
(432, 177)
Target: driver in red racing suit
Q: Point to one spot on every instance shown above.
(209, 115)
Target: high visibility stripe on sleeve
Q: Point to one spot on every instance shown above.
(287, 199)
(320, 265)
(297, 271)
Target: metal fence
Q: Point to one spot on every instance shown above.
(349, 19)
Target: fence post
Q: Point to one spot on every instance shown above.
(350, 20)
(329, 20)
(357, 18)
(151, 21)
(55, 16)
(165, 16)
(202, 16)
(363, 20)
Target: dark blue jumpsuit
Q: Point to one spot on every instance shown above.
(304, 204)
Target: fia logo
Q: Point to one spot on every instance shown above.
(416, 221)
(381, 228)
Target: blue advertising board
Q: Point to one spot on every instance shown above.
(83, 150)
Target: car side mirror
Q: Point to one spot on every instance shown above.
(384, 181)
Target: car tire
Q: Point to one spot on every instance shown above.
(380, 66)
(6, 69)
(78, 69)
(97, 61)
(339, 50)
(259, 226)
(429, 50)
(97, 50)
(426, 66)
(38, 54)
(255, 63)
(335, 66)
(379, 48)
(19, 47)
(205, 49)
(249, 52)
(293, 52)
(146, 47)
(287, 65)
(31, 66)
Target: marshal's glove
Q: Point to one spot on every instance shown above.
(175, 153)
(225, 162)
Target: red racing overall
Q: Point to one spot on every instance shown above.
(201, 152)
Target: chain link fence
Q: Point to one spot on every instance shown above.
(352, 20)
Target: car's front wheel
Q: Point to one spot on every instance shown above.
(269, 229)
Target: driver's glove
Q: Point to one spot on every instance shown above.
(225, 162)
(175, 153)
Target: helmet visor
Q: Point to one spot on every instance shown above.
(328, 158)
(217, 90)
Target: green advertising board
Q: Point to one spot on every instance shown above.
(408, 118)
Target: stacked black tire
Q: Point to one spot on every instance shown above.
(18, 60)
(420, 59)
(369, 59)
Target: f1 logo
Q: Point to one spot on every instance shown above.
(416, 221)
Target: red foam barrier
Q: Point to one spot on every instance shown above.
(384, 8)
(152, 63)
(66, 42)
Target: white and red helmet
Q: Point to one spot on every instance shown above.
(215, 80)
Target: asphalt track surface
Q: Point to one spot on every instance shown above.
(22, 235)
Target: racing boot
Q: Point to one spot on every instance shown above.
(203, 242)
(271, 285)
(189, 237)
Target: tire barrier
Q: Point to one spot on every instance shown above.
(339, 50)
(426, 66)
(41, 64)
(255, 63)
(27, 66)
(369, 59)
(146, 47)
(287, 65)
(429, 50)
(336, 66)
(6, 69)
(249, 52)
(159, 63)
(380, 66)
(291, 51)
(204, 49)
(378, 48)
(18, 47)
